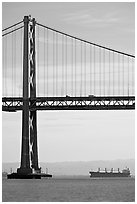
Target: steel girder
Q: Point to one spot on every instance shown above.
(71, 103)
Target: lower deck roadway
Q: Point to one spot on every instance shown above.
(12, 104)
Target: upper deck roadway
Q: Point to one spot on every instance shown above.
(12, 104)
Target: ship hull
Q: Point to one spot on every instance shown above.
(108, 174)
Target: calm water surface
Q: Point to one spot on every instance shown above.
(68, 189)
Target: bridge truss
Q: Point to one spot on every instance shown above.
(71, 103)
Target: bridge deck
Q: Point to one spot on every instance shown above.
(71, 103)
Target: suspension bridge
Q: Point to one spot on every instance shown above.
(45, 69)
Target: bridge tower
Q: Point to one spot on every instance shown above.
(29, 151)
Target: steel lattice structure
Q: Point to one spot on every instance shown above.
(70, 103)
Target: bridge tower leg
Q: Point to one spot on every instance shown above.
(29, 118)
(33, 113)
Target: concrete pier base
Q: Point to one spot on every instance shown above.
(28, 176)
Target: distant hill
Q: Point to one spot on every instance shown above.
(77, 167)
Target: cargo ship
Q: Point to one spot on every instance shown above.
(124, 173)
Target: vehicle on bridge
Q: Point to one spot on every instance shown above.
(91, 96)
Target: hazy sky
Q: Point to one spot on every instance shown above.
(77, 135)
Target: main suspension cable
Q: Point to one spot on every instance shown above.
(12, 26)
(12, 31)
(85, 40)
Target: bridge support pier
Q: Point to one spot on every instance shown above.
(29, 168)
(25, 152)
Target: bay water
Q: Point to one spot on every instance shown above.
(73, 189)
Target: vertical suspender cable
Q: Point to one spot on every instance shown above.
(12, 68)
(94, 71)
(3, 65)
(85, 68)
(109, 74)
(72, 67)
(62, 65)
(90, 69)
(21, 71)
(118, 74)
(53, 63)
(113, 74)
(104, 71)
(81, 72)
(123, 75)
(44, 61)
(75, 69)
(128, 76)
(47, 62)
(6, 50)
(15, 61)
(56, 64)
(133, 77)
(100, 70)
(66, 66)
(38, 58)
